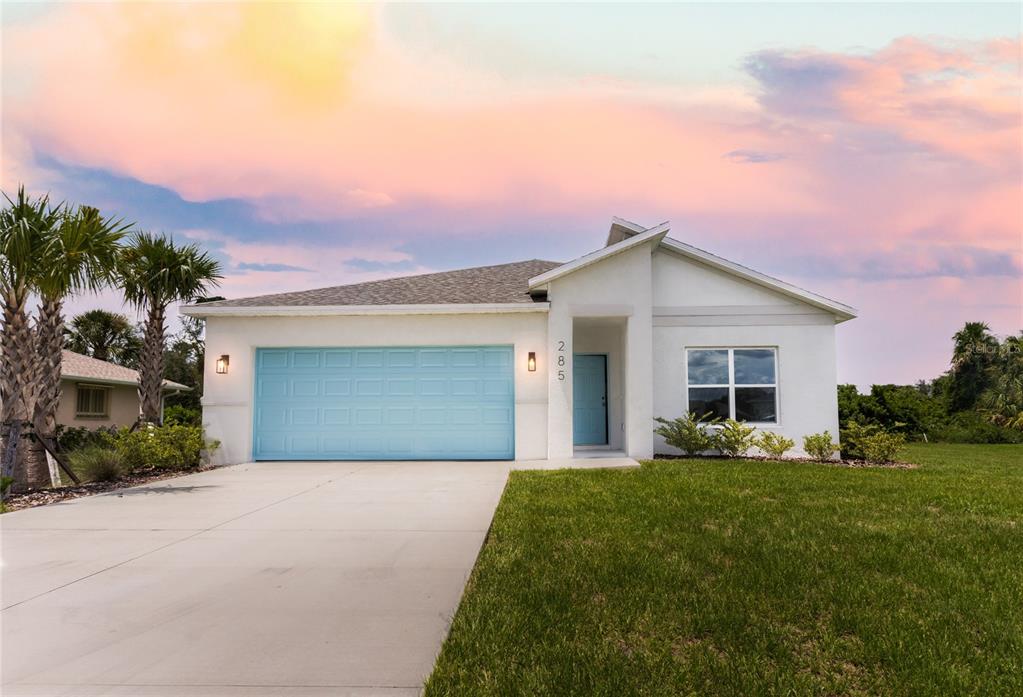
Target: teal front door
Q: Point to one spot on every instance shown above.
(589, 399)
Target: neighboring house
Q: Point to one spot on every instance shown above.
(529, 360)
(98, 393)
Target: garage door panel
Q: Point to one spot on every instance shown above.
(384, 403)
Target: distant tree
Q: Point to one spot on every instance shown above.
(184, 361)
(1002, 401)
(157, 273)
(106, 336)
(973, 355)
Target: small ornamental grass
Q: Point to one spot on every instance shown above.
(98, 464)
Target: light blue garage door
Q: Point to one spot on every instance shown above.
(409, 403)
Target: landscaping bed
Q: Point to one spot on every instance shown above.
(42, 497)
(743, 577)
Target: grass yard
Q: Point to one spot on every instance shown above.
(749, 578)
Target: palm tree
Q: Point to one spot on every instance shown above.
(972, 357)
(107, 336)
(156, 273)
(81, 254)
(1003, 400)
(25, 225)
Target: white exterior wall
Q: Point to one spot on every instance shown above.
(228, 399)
(696, 306)
(617, 286)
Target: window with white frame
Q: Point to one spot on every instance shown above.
(733, 383)
(92, 401)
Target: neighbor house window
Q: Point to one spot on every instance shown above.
(733, 383)
(93, 401)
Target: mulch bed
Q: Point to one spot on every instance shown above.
(42, 497)
(833, 463)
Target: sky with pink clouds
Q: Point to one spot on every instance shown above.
(869, 152)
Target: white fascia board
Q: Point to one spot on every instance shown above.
(340, 310)
(655, 234)
(841, 311)
(92, 380)
(628, 224)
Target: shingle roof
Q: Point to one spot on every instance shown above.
(75, 365)
(504, 283)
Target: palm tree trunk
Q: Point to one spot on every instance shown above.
(49, 345)
(17, 344)
(151, 366)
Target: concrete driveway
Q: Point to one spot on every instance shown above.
(259, 579)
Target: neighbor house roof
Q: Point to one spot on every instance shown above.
(75, 366)
(481, 285)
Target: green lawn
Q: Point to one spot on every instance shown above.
(747, 578)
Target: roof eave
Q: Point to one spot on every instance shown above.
(126, 383)
(201, 310)
(841, 311)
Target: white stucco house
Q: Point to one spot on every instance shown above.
(528, 360)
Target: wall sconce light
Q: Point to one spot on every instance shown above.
(531, 362)
(222, 364)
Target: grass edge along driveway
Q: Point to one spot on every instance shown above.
(746, 577)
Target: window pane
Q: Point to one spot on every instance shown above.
(754, 367)
(82, 400)
(712, 400)
(708, 367)
(755, 404)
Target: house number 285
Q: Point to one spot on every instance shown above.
(561, 360)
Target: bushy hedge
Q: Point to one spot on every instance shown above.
(166, 447)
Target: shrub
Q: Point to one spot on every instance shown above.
(820, 446)
(871, 442)
(98, 464)
(774, 444)
(734, 438)
(971, 427)
(179, 415)
(168, 447)
(74, 438)
(687, 433)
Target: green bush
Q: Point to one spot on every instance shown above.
(734, 438)
(98, 464)
(871, 442)
(687, 433)
(72, 438)
(166, 447)
(179, 415)
(972, 427)
(820, 446)
(774, 444)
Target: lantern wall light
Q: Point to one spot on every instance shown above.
(531, 362)
(222, 364)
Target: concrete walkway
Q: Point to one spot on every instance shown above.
(259, 579)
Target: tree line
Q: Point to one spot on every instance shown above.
(51, 252)
(978, 400)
